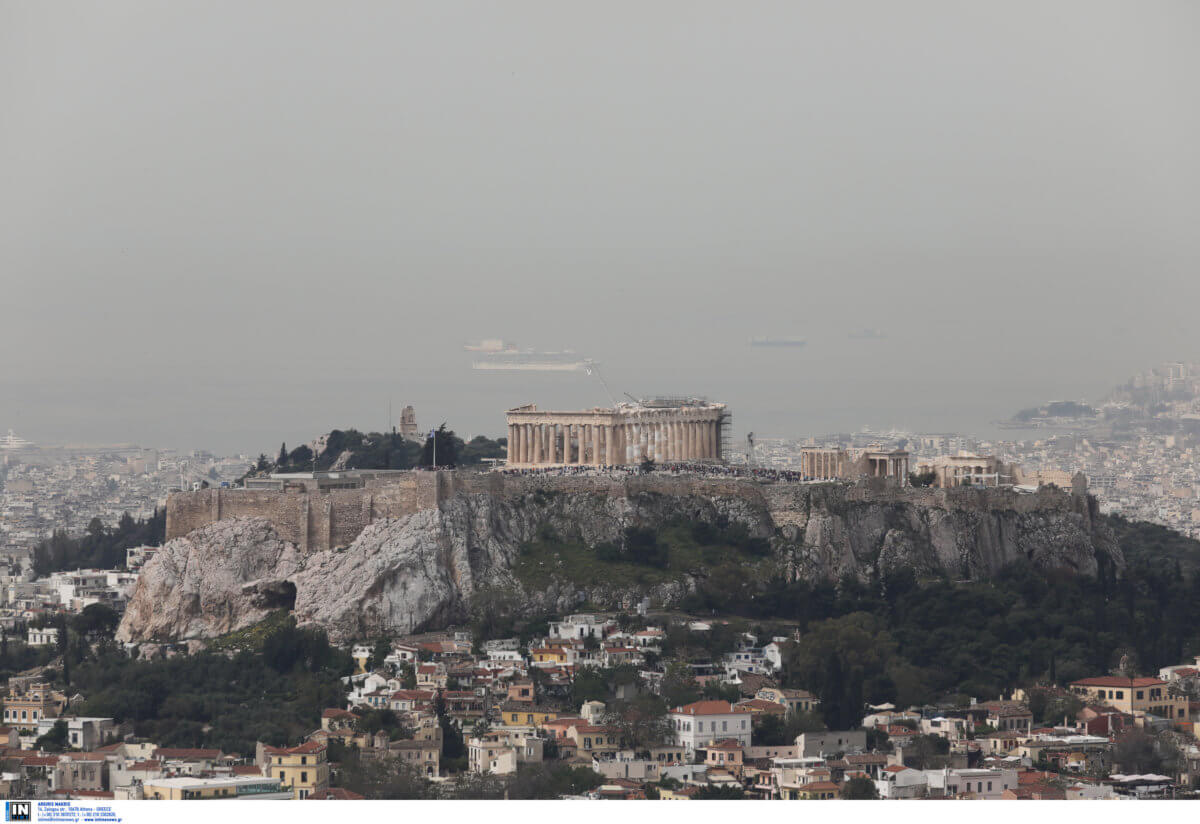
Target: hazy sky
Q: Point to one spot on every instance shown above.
(224, 224)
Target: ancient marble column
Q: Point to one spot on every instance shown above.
(596, 444)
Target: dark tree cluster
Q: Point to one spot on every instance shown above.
(216, 700)
(99, 547)
(899, 640)
(376, 450)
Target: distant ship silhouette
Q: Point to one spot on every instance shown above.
(765, 340)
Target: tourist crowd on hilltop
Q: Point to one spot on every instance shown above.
(678, 469)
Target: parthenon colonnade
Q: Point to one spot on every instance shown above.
(625, 434)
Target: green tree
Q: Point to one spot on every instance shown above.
(382, 778)
(926, 752)
(642, 721)
(97, 621)
(408, 676)
(859, 789)
(719, 792)
(589, 684)
(845, 659)
(55, 740)
(301, 457)
(679, 686)
(448, 447)
(381, 650)
(1135, 751)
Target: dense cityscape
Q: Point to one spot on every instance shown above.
(648, 703)
(578, 403)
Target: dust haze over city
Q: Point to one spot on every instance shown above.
(578, 401)
(228, 224)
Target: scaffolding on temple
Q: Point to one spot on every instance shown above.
(725, 435)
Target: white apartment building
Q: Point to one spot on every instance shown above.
(697, 725)
(985, 784)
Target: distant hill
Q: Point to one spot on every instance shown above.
(1056, 409)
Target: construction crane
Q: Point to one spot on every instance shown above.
(593, 369)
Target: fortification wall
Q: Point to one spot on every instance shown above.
(317, 521)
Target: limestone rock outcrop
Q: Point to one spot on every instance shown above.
(420, 570)
(220, 578)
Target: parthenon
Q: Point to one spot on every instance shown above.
(628, 433)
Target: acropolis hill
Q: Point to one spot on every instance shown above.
(408, 550)
(316, 521)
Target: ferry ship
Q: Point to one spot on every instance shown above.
(11, 441)
(535, 362)
(764, 340)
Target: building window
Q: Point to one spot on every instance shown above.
(303, 778)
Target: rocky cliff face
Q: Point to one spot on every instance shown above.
(219, 578)
(420, 570)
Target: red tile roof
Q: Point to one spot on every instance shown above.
(725, 744)
(335, 794)
(185, 754)
(760, 705)
(308, 748)
(1117, 681)
(39, 761)
(334, 712)
(709, 708)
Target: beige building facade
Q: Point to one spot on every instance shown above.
(832, 463)
(664, 432)
(966, 470)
